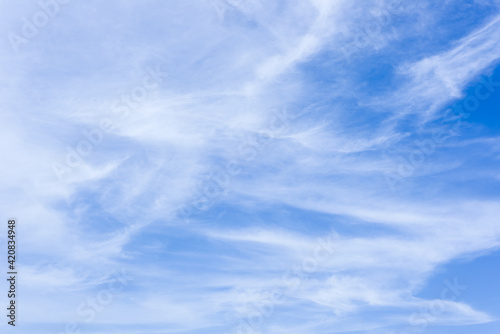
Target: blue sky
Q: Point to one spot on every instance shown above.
(242, 166)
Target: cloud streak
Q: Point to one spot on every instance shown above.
(227, 70)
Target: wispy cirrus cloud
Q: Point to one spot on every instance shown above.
(226, 70)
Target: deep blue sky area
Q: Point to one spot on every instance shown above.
(487, 115)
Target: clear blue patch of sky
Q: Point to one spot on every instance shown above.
(479, 272)
(487, 114)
